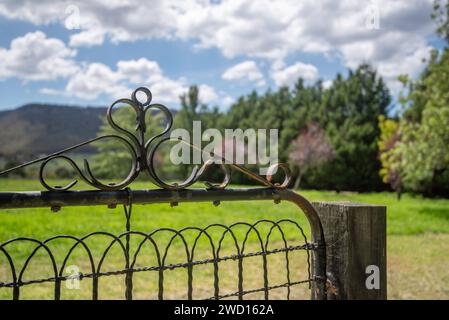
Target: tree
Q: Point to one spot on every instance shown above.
(440, 16)
(190, 107)
(305, 99)
(270, 110)
(424, 143)
(310, 149)
(390, 158)
(349, 113)
(193, 110)
(11, 163)
(423, 146)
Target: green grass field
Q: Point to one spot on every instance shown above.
(418, 246)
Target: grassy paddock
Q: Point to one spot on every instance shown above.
(418, 231)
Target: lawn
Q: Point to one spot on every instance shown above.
(418, 246)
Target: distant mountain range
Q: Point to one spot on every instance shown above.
(35, 129)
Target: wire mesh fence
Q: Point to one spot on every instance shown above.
(264, 259)
(201, 255)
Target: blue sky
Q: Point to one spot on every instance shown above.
(82, 53)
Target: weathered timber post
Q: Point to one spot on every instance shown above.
(355, 237)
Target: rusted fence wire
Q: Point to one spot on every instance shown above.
(131, 244)
(142, 153)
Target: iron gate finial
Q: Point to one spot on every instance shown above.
(143, 153)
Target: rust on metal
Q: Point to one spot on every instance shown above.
(143, 154)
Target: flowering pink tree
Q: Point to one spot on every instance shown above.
(310, 150)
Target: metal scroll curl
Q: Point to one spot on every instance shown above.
(142, 151)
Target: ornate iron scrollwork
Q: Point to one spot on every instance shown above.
(143, 153)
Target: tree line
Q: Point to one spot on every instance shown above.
(349, 136)
(328, 136)
(345, 136)
(414, 145)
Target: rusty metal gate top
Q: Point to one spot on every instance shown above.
(142, 154)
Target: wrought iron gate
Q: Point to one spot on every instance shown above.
(142, 154)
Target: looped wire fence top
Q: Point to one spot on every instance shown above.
(131, 244)
(108, 255)
(162, 252)
(142, 152)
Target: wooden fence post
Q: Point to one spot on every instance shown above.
(356, 262)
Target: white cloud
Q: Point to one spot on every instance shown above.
(228, 101)
(51, 91)
(252, 28)
(87, 38)
(119, 20)
(327, 84)
(207, 93)
(264, 29)
(287, 76)
(96, 79)
(393, 58)
(247, 70)
(139, 71)
(35, 57)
